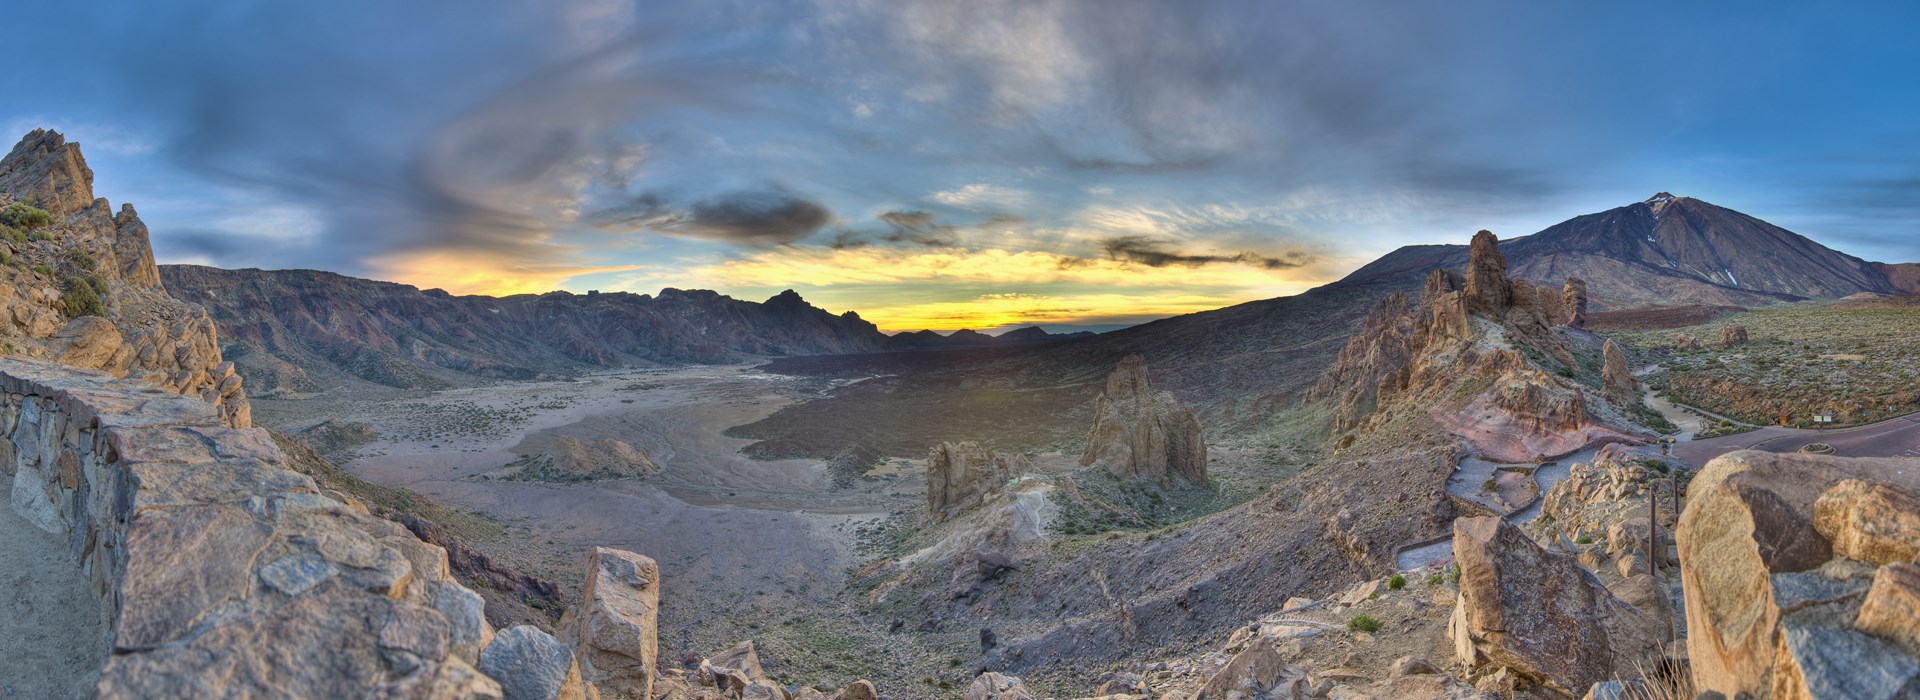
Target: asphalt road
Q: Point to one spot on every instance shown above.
(1897, 437)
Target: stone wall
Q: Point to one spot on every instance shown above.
(201, 545)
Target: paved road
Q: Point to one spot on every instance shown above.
(1897, 437)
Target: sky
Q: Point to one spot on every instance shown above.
(941, 164)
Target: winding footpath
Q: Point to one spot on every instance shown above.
(51, 638)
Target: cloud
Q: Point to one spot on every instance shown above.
(1154, 253)
(918, 227)
(751, 217)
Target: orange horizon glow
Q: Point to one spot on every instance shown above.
(902, 290)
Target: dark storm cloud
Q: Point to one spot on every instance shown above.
(755, 217)
(1154, 253)
(918, 227)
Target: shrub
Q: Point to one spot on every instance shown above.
(1436, 579)
(26, 216)
(1453, 572)
(82, 260)
(81, 299)
(40, 236)
(1584, 539)
(1363, 623)
(13, 234)
(44, 270)
(1396, 582)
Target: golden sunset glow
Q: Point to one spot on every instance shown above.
(890, 266)
(945, 290)
(470, 273)
(1007, 310)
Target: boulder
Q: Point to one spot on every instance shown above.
(1892, 607)
(531, 665)
(960, 474)
(1541, 615)
(614, 629)
(1732, 336)
(1142, 434)
(87, 341)
(995, 686)
(1616, 376)
(1257, 671)
(1411, 666)
(1872, 522)
(1754, 563)
(1686, 342)
(858, 690)
(1816, 662)
(733, 670)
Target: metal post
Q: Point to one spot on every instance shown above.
(1653, 525)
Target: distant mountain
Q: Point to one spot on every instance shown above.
(971, 338)
(1669, 251)
(1242, 364)
(292, 329)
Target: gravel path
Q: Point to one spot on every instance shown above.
(51, 639)
(1468, 482)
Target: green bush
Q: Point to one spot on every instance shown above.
(82, 260)
(13, 234)
(44, 270)
(1584, 539)
(1396, 582)
(1436, 579)
(1363, 623)
(81, 298)
(1453, 572)
(40, 236)
(26, 216)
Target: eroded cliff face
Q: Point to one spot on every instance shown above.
(79, 285)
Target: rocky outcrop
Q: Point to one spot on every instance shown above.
(1616, 376)
(571, 459)
(1575, 299)
(1142, 434)
(1733, 336)
(1686, 342)
(961, 474)
(615, 628)
(1540, 616)
(82, 288)
(1488, 289)
(1479, 357)
(200, 543)
(1798, 578)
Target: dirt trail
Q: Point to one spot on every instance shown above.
(51, 639)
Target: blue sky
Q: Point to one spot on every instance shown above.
(951, 164)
